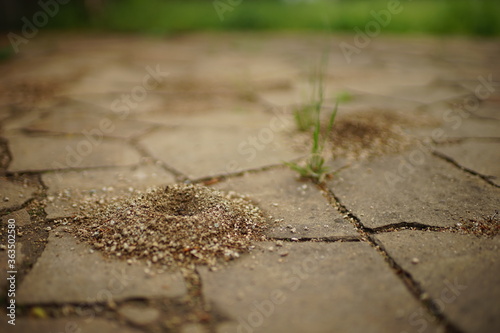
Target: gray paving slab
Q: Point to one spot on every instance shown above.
(22, 218)
(489, 109)
(94, 124)
(480, 157)
(208, 151)
(71, 324)
(222, 114)
(298, 208)
(139, 315)
(415, 187)
(429, 93)
(193, 328)
(460, 272)
(335, 287)
(65, 189)
(68, 271)
(112, 101)
(457, 122)
(457, 127)
(32, 153)
(110, 77)
(14, 194)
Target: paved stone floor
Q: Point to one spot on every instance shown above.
(396, 242)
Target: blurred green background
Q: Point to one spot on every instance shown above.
(463, 17)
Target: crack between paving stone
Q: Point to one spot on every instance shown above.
(450, 160)
(4, 143)
(406, 226)
(24, 205)
(458, 140)
(179, 176)
(413, 286)
(330, 239)
(35, 229)
(209, 180)
(194, 285)
(69, 169)
(7, 211)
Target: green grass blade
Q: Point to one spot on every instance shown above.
(332, 117)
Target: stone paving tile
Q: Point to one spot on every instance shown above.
(376, 102)
(13, 194)
(108, 77)
(19, 119)
(22, 217)
(489, 109)
(193, 328)
(460, 272)
(457, 127)
(95, 125)
(25, 325)
(114, 103)
(297, 93)
(3, 271)
(67, 271)
(317, 287)
(245, 67)
(52, 153)
(299, 207)
(139, 315)
(391, 189)
(208, 151)
(225, 114)
(65, 189)
(401, 87)
(481, 157)
(457, 122)
(4, 111)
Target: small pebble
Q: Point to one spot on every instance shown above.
(415, 261)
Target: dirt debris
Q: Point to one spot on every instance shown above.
(180, 224)
(488, 226)
(367, 134)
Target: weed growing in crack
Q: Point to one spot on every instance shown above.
(315, 164)
(305, 116)
(309, 117)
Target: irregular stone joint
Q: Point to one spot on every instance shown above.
(367, 235)
(486, 178)
(331, 239)
(404, 226)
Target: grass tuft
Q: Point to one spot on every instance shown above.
(309, 117)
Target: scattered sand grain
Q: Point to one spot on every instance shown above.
(179, 224)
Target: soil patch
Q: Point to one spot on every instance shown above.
(179, 224)
(371, 133)
(486, 226)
